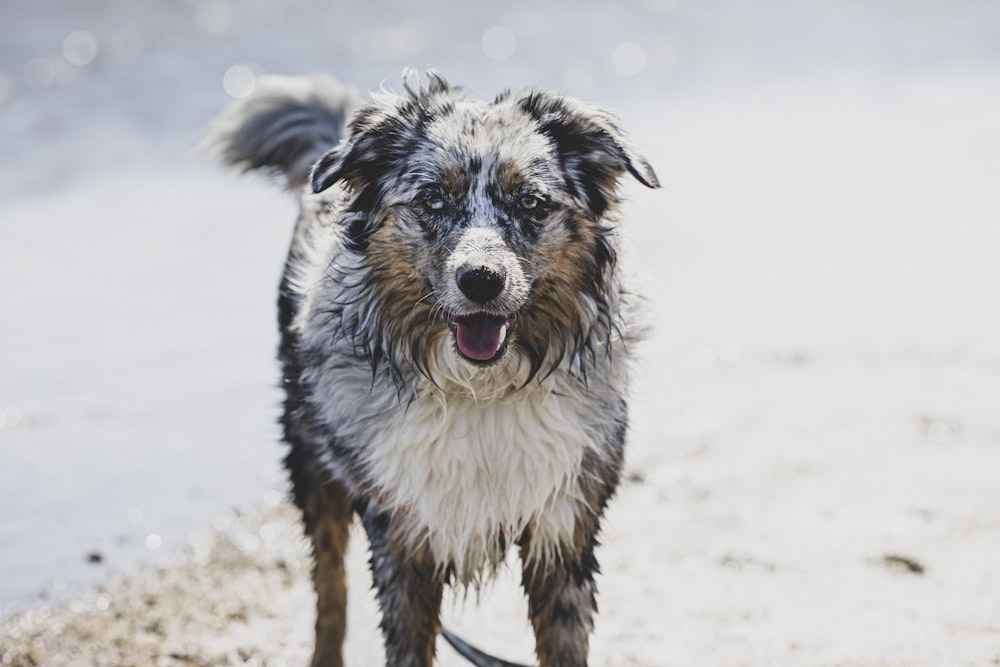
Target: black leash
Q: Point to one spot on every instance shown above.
(473, 654)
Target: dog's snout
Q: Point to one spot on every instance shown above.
(480, 283)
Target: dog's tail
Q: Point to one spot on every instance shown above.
(283, 127)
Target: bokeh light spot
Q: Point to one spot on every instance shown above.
(499, 42)
(629, 58)
(239, 81)
(153, 542)
(79, 48)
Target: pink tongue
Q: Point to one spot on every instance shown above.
(478, 336)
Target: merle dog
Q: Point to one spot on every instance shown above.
(455, 342)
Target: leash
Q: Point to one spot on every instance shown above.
(473, 654)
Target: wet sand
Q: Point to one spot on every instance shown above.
(748, 532)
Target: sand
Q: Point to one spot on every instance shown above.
(813, 474)
(864, 534)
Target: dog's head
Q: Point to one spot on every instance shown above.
(494, 221)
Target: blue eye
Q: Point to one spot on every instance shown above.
(433, 202)
(528, 202)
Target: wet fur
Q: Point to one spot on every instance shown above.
(448, 462)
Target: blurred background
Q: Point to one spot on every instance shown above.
(821, 265)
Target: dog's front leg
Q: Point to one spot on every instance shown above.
(409, 587)
(562, 599)
(328, 514)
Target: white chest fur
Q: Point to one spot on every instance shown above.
(466, 470)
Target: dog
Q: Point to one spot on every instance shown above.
(456, 337)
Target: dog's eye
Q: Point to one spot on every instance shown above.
(528, 202)
(434, 203)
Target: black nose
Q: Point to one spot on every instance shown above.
(480, 283)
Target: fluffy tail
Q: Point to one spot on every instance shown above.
(283, 127)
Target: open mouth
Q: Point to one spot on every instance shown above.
(481, 337)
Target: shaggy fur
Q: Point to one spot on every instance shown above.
(455, 342)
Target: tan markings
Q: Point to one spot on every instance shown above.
(333, 521)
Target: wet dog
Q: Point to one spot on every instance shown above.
(455, 342)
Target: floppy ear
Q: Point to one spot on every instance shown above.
(360, 151)
(361, 160)
(331, 167)
(594, 151)
(379, 133)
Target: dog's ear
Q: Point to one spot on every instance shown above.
(359, 152)
(332, 166)
(594, 151)
(379, 132)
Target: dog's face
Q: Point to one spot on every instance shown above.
(486, 222)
